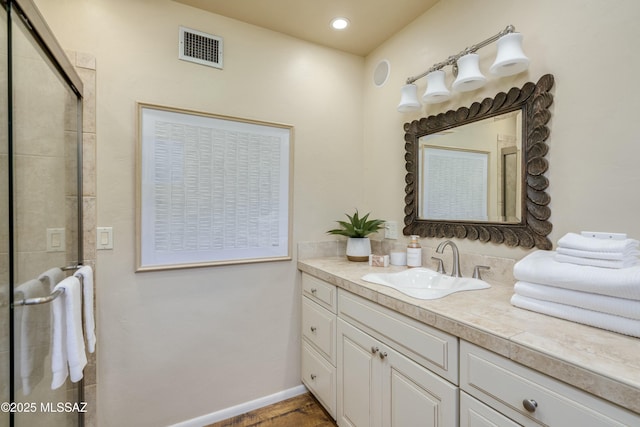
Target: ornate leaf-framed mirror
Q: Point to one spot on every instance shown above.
(478, 172)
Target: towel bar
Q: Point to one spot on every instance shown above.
(39, 300)
(43, 300)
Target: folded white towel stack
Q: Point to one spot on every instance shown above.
(576, 249)
(604, 297)
(600, 320)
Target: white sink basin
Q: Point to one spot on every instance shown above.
(423, 283)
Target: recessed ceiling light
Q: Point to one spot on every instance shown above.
(339, 23)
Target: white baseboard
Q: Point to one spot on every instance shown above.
(242, 408)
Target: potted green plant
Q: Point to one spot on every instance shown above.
(357, 229)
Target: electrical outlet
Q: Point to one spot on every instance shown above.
(390, 230)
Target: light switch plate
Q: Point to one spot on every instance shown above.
(56, 241)
(104, 238)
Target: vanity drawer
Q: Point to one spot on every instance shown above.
(319, 327)
(474, 413)
(320, 291)
(319, 377)
(429, 347)
(507, 386)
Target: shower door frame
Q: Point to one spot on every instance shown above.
(27, 12)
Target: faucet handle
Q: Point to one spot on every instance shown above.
(440, 265)
(476, 271)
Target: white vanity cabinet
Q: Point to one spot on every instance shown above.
(372, 366)
(384, 377)
(527, 397)
(319, 302)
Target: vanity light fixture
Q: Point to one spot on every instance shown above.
(409, 98)
(339, 23)
(510, 60)
(436, 88)
(469, 75)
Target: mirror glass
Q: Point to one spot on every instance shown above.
(478, 172)
(471, 172)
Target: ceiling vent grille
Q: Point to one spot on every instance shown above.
(201, 48)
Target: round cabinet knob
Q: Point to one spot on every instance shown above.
(313, 329)
(314, 290)
(383, 355)
(374, 350)
(530, 405)
(313, 376)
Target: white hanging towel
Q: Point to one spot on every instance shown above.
(86, 273)
(51, 278)
(32, 334)
(59, 367)
(69, 334)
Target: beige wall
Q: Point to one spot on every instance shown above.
(594, 147)
(178, 344)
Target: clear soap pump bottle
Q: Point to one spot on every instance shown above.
(414, 253)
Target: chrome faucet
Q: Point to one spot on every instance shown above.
(456, 257)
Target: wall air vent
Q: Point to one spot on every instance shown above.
(201, 48)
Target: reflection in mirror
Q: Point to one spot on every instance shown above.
(470, 172)
(478, 172)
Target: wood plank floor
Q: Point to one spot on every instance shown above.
(299, 411)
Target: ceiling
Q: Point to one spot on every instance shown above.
(372, 21)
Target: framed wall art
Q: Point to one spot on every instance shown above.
(211, 189)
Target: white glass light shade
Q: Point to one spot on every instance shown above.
(510, 59)
(436, 89)
(409, 98)
(469, 75)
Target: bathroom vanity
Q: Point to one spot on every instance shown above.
(376, 357)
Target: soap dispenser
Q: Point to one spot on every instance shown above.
(414, 253)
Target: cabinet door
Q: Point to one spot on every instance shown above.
(319, 377)
(358, 378)
(413, 396)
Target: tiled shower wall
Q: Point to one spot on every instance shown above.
(85, 66)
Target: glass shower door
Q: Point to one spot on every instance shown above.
(5, 284)
(45, 229)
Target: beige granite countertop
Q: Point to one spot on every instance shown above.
(603, 363)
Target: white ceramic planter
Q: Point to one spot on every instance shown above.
(358, 249)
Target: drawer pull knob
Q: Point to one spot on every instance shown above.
(314, 290)
(530, 405)
(383, 355)
(313, 376)
(374, 350)
(313, 329)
